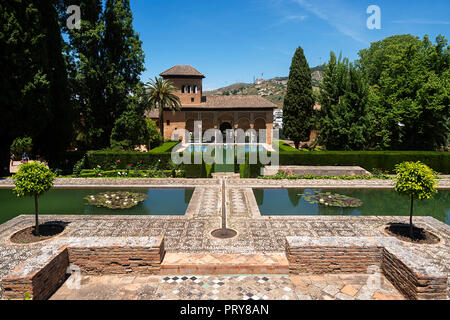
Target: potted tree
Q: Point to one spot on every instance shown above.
(416, 181)
(33, 179)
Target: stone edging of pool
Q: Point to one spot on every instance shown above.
(234, 182)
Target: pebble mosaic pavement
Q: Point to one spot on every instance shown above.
(191, 233)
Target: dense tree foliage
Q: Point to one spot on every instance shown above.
(410, 91)
(131, 130)
(298, 102)
(397, 96)
(33, 88)
(106, 61)
(343, 120)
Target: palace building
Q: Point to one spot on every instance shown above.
(215, 112)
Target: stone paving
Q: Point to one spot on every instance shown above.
(300, 287)
(191, 233)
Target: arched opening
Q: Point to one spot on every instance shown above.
(244, 124)
(183, 89)
(190, 125)
(195, 89)
(225, 126)
(189, 89)
(260, 124)
(207, 124)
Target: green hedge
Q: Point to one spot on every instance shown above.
(166, 147)
(439, 161)
(196, 170)
(287, 148)
(108, 160)
(114, 174)
(250, 170)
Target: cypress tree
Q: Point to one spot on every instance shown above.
(299, 102)
(123, 59)
(31, 64)
(86, 66)
(54, 139)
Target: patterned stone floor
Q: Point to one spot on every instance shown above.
(191, 233)
(301, 287)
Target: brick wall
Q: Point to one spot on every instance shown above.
(28, 281)
(414, 276)
(117, 260)
(414, 286)
(40, 276)
(320, 260)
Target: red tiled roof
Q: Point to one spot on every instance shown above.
(182, 71)
(233, 102)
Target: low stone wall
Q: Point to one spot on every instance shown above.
(39, 277)
(118, 256)
(415, 277)
(414, 284)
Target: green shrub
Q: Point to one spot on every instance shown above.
(111, 160)
(385, 160)
(78, 167)
(33, 180)
(415, 181)
(155, 138)
(130, 131)
(21, 145)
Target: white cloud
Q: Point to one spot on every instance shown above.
(344, 19)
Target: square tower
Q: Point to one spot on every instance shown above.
(188, 80)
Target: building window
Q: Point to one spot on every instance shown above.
(168, 122)
(195, 89)
(183, 89)
(190, 89)
(192, 99)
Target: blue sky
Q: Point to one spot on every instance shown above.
(236, 40)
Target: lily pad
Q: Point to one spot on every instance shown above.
(332, 200)
(116, 200)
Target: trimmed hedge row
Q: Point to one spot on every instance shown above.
(387, 160)
(284, 147)
(111, 160)
(166, 147)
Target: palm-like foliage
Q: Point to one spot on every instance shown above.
(159, 93)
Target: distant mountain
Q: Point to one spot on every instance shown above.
(273, 89)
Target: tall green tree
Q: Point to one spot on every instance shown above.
(33, 85)
(124, 60)
(299, 102)
(410, 91)
(344, 120)
(56, 137)
(85, 66)
(160, 94)
(106, 60)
